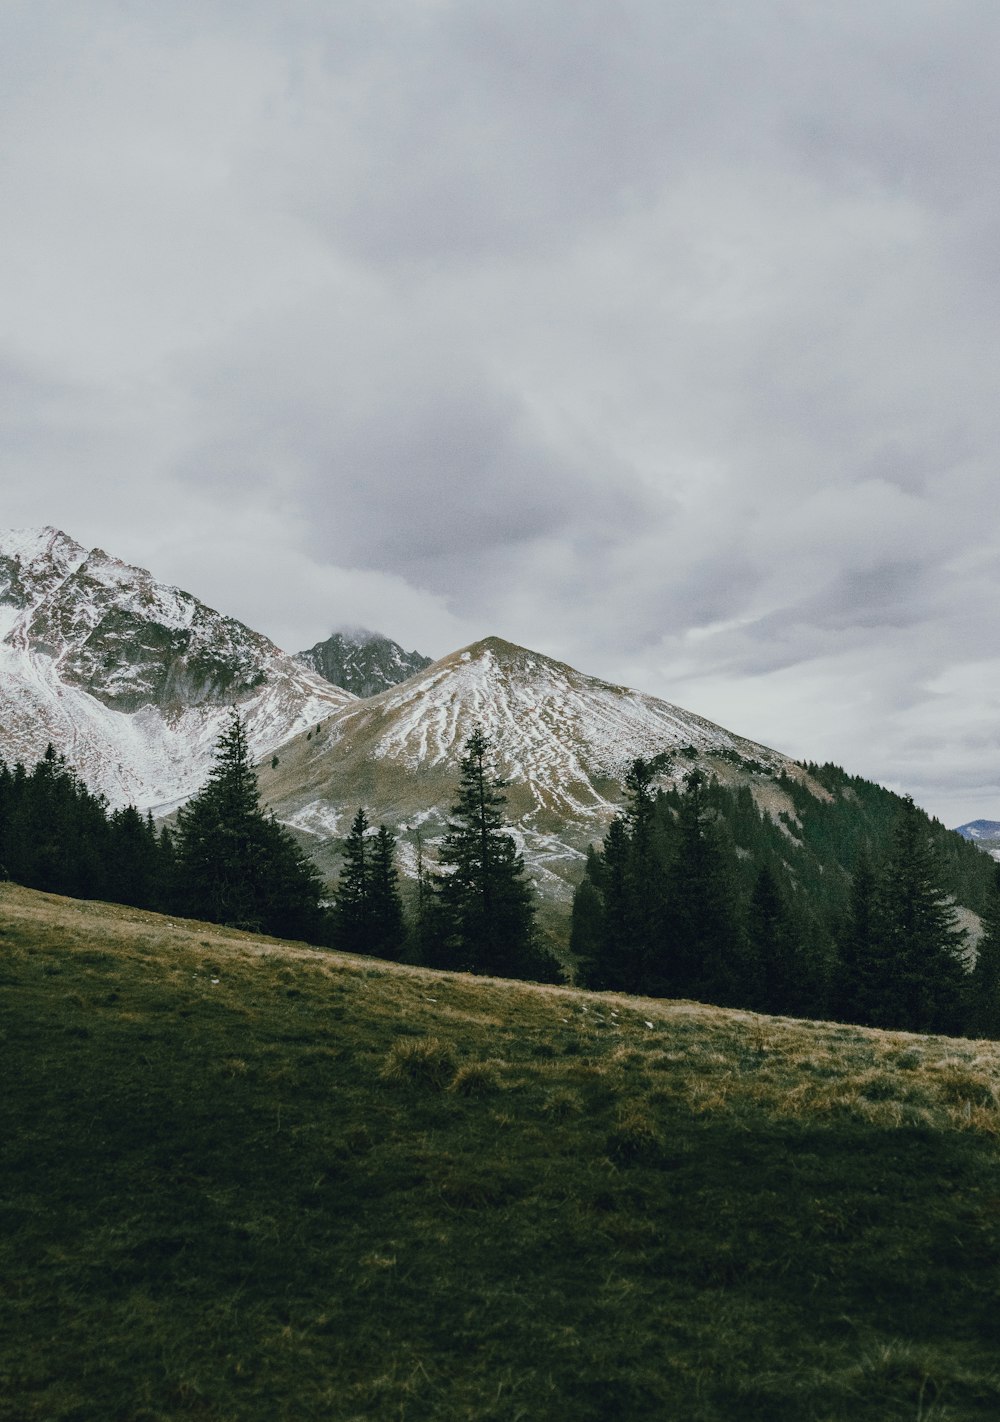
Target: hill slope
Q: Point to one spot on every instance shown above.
(247, 1179)
(130, 679)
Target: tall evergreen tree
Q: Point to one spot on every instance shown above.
(388, 928)
(236, 865)
(861, 969)
(368, 910)
(984, 1011)
(487, 910)
(351, 900)
(702, 942)
(923, 984)
(771, 949)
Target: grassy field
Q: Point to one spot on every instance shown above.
(246, 1180)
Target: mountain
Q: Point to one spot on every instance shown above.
(985, 834)
(564, 742)
(980, 829)
(361, 661)
(132, 679)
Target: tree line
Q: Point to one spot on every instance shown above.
(839, 908)
(228, 861)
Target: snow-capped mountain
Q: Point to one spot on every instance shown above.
(564, 742)
(980, 830)
(361, 661)
(131, 679)
(983, 833)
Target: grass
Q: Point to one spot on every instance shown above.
(245, 1180)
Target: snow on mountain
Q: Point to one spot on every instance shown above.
(361, 661)
(130, 679)
(564, 742)
(980, 829)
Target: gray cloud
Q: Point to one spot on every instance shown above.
(660, 337)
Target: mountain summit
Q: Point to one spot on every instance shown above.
(361, 661)
(563, 741)
(129, 678)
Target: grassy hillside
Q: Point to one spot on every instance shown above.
(245, 1180)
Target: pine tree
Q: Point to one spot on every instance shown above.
(388, 928)
(352, 897)
(618, 909)
(486, 902)
(985, 984)
(702, 943)
(923, 983)
(860, 969)
(234, 864)
(368, 910)
(771, 948)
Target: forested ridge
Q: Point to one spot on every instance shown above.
(840, 904)
(228, 861)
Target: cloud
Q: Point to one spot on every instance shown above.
(659, 337)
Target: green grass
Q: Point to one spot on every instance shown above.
(325, 1187)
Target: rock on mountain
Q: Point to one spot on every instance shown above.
(131, 679)
(361, 661)
(564, 742)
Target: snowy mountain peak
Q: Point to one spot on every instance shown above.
(130, 678)
(34, 561)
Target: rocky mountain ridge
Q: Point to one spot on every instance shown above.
(362, 661)
(132, 679)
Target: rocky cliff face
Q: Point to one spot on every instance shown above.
(363, 662)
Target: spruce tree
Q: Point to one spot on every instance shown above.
(368, 910)
(985, 984)
(861, 970)
(351, 900)
(702, 948)
(232, 863)
(923, 985)
(771, 948)
(388, 928)
(487, 905)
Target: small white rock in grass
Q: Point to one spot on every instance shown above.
(648, 1024)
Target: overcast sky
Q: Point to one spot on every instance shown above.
(660, 337)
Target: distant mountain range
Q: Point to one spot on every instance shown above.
(133, 680)
(980, 829)
(984, 833)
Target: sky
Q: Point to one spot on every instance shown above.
(659, 337)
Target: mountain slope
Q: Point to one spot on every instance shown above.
(564, 742)
(131, 679)
(363, 662)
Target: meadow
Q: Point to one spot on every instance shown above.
(243, 1179)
